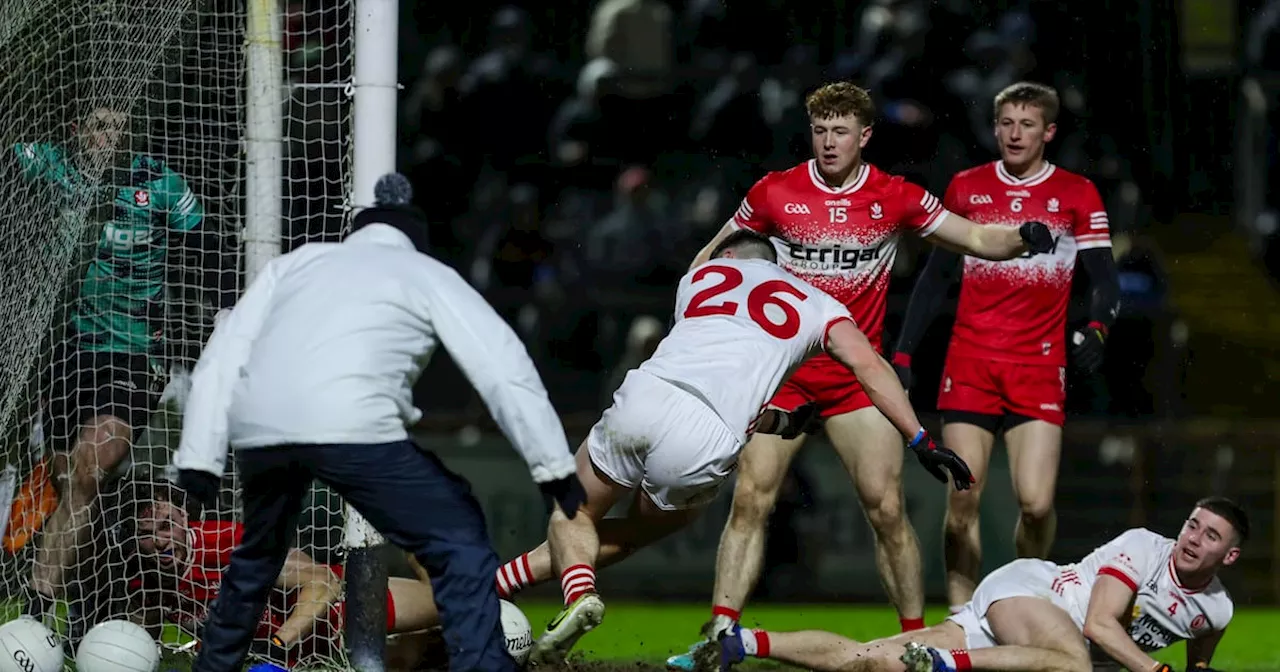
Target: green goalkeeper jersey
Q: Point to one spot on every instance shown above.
(121, 299)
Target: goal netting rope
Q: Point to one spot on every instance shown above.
(122, 131)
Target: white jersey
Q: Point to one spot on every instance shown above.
(742, 326)
(326, 344)
(1164, 610)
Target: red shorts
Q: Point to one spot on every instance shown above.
(990, 387)
(825, 382)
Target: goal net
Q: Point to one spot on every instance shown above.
(122, 156)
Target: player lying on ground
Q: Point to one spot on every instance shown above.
(678, 422)
(181, 564)
(106, 376)
(836, 221)
(1005, 367)
(1139, 593)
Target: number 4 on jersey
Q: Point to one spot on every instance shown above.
(761, 296)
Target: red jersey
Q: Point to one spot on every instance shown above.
(840, 240)
(1016, 310)
(211, 543)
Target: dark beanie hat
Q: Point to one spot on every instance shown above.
(391, 206)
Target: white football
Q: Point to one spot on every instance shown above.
(117, 646)
(27, 646)
(515, 625)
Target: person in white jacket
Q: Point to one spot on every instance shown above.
(310, 377)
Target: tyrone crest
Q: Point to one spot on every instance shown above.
(1053, 205)
(142, 198)
(877, 212)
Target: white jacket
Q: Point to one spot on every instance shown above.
(326, 344)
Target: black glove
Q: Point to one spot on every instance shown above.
(1088, 347)
(902, 366)
(567, 492)
(804, 419)
(1037, 237)
(201, 488)
(934, 458)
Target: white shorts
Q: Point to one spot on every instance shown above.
(1026, 577)
(665, 441)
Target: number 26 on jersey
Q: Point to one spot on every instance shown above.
(763, 295)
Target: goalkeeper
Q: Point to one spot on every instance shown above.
(107, 378)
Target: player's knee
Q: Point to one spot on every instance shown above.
(102, 431)
(752, 503)
(885, 513)
(962, 512)
(1036, 510)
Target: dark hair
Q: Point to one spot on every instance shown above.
(748, 241)
(1229, 511)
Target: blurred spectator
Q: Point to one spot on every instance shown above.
(581, 137)
(999, 59)
(508, 96)
(1262, 46)
(513, 261)
(1141, 334)
(430, 115)
(730, 121)
(782, 94)
(634, 243)
(642, 340)
(703, 33)
(431, 127)
(637, 36)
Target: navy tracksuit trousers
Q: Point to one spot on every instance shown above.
(408, 496)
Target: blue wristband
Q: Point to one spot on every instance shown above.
(920, 436)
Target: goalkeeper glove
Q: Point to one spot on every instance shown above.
(1037, 236)
(565, 492)
(1162, 667)
(934, 458)
(201, 488)
(1088, 347)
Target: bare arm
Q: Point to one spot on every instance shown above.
(1200, 650)
(1110, 601)
(704, 255)
(996, 243)
(318, 588)
(849, 346)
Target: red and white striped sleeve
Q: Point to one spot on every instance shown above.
(1092, 227)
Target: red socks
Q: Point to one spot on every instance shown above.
(909, 624)
(577, 581)
(513, 576)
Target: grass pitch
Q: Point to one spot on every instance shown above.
(646, 633)
(640, 635)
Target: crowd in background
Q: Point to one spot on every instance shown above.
(572, 186)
